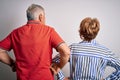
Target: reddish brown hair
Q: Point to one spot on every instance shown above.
(89, 28)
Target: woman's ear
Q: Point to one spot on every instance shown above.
(81, 36)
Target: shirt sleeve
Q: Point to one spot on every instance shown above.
(115, 63)
(60, 75)
(6, 43)
(55, 39)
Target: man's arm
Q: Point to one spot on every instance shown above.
(64, 53)
(6, 59)
(60, 60)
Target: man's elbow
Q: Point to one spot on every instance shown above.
(67, 54)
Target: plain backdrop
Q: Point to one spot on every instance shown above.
(65, 16)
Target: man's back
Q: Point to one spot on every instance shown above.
(32, 45)
(33, 50)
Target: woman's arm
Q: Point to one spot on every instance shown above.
(115, 63)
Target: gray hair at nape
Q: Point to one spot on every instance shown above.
(34, 11)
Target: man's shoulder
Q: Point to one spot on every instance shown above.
(19, 27)
(49, 27)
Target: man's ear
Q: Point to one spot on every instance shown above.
(41, 17)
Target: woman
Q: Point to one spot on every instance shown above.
(88, 58)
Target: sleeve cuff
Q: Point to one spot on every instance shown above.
(60, 75)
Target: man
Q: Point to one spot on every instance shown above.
(32, 44)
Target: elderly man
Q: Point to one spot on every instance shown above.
(32, 44)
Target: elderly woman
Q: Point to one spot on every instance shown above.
(88, 58)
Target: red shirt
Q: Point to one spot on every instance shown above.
(32, 45)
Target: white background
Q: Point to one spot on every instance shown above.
(65, 16)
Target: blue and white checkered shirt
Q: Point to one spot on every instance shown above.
(88, 61)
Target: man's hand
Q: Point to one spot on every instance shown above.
(54, 68)
(13, 66)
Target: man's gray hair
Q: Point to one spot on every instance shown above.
(34, 11)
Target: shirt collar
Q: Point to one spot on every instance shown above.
(33, 22)
(93, 42)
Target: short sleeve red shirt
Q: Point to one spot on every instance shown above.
(32, 45)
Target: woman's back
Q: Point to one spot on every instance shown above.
(88, 60)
